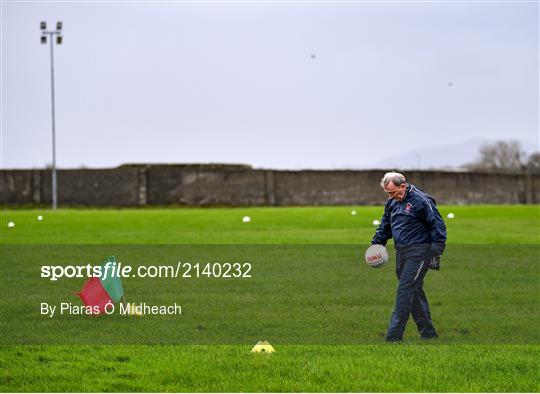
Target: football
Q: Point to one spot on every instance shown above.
(376, 256)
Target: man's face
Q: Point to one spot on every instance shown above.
(396, 192)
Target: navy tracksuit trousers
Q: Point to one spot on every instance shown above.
(410, 297)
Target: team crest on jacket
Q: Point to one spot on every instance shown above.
(408, 207)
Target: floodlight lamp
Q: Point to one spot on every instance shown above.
(43, 39)
(59, 40)
(58, 25)
(43, 25)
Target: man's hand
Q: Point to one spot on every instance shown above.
(434, 256)
(434, 263)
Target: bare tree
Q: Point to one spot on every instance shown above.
(533, 163)
(500, 155)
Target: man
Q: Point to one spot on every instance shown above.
(412, 219)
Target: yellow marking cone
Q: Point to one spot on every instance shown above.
(263, 347)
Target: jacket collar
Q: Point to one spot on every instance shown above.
(408, 191)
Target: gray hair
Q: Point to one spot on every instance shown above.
(395, 177)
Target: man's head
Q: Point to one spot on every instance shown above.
(394, 184)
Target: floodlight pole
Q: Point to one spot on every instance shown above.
(54, 184)
(51, 35)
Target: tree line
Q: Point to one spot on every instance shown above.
(505, 155)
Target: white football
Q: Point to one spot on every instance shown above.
(376, 256)
(246, 219)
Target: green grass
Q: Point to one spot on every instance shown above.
(491, 224)
(292, 368)
(484, 302)
(298, 294)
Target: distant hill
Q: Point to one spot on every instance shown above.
(449, 156)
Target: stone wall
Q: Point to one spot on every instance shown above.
(237, 185)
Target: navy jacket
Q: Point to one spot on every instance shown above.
(414, 221)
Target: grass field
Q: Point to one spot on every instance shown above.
(485, 302)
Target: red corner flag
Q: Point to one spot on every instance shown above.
(94, 294)
(98, 293)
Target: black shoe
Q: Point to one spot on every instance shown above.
(393, 340)
(428, 338)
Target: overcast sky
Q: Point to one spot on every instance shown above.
(275, 85)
